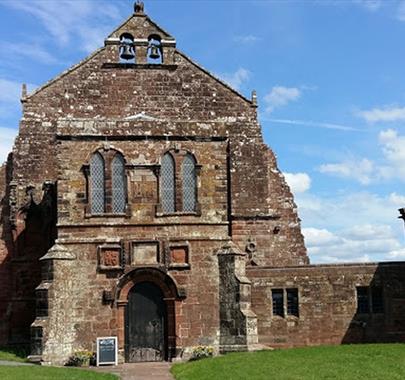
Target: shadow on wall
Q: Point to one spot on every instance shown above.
(27, 233)
(6, 248)
(380, 313)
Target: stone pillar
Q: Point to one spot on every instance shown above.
(53, 333)
(238, 323)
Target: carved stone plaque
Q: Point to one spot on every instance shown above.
(109, 257)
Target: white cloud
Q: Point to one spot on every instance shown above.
(390, 165)
(345, 228)
(385, 114)
(315, 237)
(298, 182)
(369, 232)
(248, 39)
(315, 124)
(236, 79)
(401, 11)
(85, 22)
(10, 91)
(398, 254)
(361, 242)
(10, 94)
(7, 136)
(362, 170)
(280, 96)
(397, 199)
(369, 5)
(31, 51)
(394, 153)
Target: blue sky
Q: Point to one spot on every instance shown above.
(330, 79)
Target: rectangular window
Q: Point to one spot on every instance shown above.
(370, 299)
(292, 302)
(41, 303)
(377, 301)
(362, 300)
(277, 296)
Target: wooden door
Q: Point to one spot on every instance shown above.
(145, 324)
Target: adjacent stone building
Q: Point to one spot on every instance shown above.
(140, 201)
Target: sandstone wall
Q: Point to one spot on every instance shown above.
(327, 304)
(142, 110)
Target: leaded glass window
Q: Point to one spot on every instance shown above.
(292, 302)
(277, 296)
(97, 189)
(189, 183)
(118, 184)
(363, 305)
(168, 192)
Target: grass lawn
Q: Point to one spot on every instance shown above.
(352, 362)
(13, 354)
(51, 373)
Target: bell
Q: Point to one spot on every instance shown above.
(154, 52)
(127, 52)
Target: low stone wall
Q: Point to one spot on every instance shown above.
(327, 300)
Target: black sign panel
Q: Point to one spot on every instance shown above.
(107, 350)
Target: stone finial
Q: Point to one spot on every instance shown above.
(24, 91)
(139, 7)
(254, 98)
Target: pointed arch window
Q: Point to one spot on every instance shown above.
(189, 183)
(178, 183)
(97, 184)
(107, 183)
(168, 192)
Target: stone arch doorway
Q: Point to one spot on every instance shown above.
(145, 324)
(161, 293)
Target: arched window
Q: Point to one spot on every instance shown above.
(168, 192)
(189, 183)
(97, 184)
(118, 184)
(106, 183)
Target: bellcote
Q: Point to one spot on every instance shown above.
(140, 40)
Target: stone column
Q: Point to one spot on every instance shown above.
(238, 323)
(53, 333)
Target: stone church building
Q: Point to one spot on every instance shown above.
(140, 201)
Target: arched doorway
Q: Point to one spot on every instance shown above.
(167, 291)
(145, 324)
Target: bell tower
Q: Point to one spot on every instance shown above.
(141, 41)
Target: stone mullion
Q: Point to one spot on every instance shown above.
(108, 182)
(197, 183)
(178, 175)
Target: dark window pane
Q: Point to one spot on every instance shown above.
(292, 302)
(41, 303)
(189, 183)
(167, 183)
(362, 300)
(97, 184)
(36, 340)
(377, 300)
(278, 302)
(119, 198)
